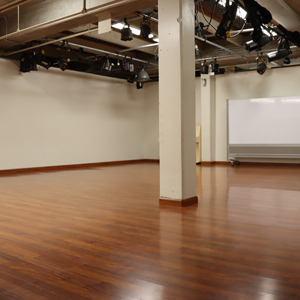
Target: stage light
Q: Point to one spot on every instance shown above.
(197, 53)
(227, 21)
(204, 68)
(127, 65)
(28, 62)
(63, 63)
(126, 32)
(142, 76)
(261, 66)
(251, 45)
(283, 51)
(107, 65)
(140, 85)
(131, 78)
(44, 61)
(145, 29)
(215, 67)
(286, 61)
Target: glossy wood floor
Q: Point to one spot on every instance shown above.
(100, 234)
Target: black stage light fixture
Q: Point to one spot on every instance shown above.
(257, 15)
(145, 29)
(107, 66)
(261, 66)
(197, 52)
(251, 45)
(44, 61)
(286, 61)
(283, 51)
(63, 63)
(140, 85)
(126, 32)
(28, 62)
(131, 78)
(127, 65)
(215, 67)
(227, 21)
(204, 68)
(142, 76)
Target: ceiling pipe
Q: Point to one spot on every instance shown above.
(139, 47)
(90, 11)
(110, 53)
(218, 46)
(77, 45)
(12, 4)
(51, 42)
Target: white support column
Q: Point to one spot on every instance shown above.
(208, 121)
(177, 103)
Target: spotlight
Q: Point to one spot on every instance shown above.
(286, 61)
(145, 29)
(227, 21)
(204, 68)
(107, 65)
(28, 62)
(128, 66)
(63, 63)
(44, 61)
(140, 85)
(197, 53)
(283, 50)
(257, 15)
(142, 76)
(251, 45)
(261, 66)
(215, 67)
(131, 78)
(126, 32)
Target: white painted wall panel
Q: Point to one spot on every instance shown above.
(59, 118)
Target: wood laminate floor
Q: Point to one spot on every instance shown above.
(99, 234)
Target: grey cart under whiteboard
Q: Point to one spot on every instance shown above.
(263, 128)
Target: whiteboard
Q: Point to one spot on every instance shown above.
(266, 121)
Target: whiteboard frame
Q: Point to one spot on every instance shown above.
(231, 156)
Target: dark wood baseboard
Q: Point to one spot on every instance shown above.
(176, 203)
(210, 163)
(72, 167)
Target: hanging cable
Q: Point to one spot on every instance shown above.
(240, 30)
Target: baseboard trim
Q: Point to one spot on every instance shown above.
(75, 166)
(210, 163)
(176, 203)
(248, 163)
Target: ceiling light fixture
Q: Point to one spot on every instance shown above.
(142, 76)
(28, 62)
(63, 63)
(126, 32)
(215, 66)
(145, 28)
(107, 65)
(261, 65)
(44, 61)
(251, 45)
(223, 30)
(204, 68)
(283, 50)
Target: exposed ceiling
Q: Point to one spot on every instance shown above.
(45, 24)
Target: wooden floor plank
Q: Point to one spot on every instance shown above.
(99, 233)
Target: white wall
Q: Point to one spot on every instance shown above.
(50, 118)
(274, 83)
(151, 121)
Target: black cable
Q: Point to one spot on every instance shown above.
(209, 22)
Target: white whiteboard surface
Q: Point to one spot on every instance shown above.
(267, 121)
